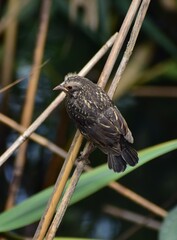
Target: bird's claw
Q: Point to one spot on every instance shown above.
(83, 158)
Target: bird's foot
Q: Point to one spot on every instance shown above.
(83, 158)
(86, 152)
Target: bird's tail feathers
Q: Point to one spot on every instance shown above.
(130, 155)
(116, 162)
(119, 162)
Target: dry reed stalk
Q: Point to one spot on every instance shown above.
(10, 35)
(12, 15)
(102, 81)
(34, 136)
(132, 217)
(68, 164)
(138, 199)
(105, 74)
(22, 138)
(9, 47)
(8, 86)
(30, 100)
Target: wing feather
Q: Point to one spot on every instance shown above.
(114, 115)
(106, 128)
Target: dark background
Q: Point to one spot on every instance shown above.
(152, 116)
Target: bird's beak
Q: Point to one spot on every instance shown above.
(61, 87)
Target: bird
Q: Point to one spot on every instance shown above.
(99, 120)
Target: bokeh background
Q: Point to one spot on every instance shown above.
(146, 96)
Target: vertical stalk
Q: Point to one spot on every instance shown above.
(30, 99)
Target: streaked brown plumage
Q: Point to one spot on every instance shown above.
(99, 120)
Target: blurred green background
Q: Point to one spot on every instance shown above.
(146, 96)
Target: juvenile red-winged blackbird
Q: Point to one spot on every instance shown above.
(99, 120)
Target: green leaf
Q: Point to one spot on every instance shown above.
(26, 212)
(98, 178)
(31, 209)
(63, 238)
(168, 229)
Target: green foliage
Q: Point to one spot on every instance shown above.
(63, 238)
(169, 227)
(31, 210)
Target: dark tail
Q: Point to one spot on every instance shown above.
(128, 155)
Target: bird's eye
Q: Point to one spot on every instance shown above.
(69, 87)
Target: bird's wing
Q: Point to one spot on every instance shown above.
(99, 130)
(106, 128)
(115, 119)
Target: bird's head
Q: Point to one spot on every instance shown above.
(72, 85)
